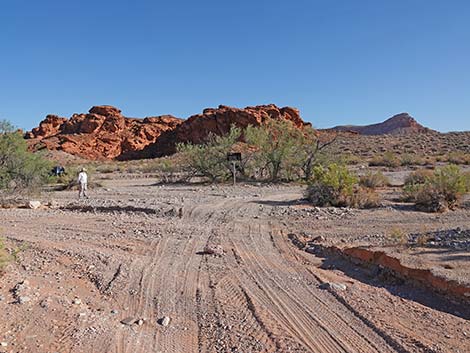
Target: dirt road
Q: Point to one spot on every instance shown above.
(135, 251)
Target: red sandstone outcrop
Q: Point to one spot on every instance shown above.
(399, 124)
(218, 121)
(103, 133)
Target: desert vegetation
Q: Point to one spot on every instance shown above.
(335, 185)
(437, 191)
(4, 256)
(276, 151)
(20, 170)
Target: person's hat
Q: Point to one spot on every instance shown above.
(83, 170)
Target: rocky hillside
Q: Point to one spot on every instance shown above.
(104, 133)
(400, 124)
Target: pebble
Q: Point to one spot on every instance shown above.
(4, 344)
(128, 321)
(77, 301)
(23, 299)
(164, 321)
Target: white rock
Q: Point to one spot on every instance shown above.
(164, 321)
(335, 286)
(77, 301)
(23, 299)
(34, 204)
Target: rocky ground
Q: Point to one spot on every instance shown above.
(143, 267)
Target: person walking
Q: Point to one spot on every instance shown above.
(82, 183)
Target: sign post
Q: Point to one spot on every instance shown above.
(234, 158)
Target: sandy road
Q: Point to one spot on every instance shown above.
(263, 295)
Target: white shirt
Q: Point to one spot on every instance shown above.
(82, 178)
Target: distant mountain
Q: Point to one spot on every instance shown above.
(400, 124)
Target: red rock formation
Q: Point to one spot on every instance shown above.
(399, 124)
(218, 121)
(48, 127)
(103, 133)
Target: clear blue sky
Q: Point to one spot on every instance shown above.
(337, 61)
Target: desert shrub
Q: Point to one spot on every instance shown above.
(439, 191)
(332, 186)
(467, 181)
(388, 159)
(414, 182)
(20, 170)
(210, 159)
(411, 159)
(173, 169)
(459, 158)
(373, 180)
(351, 159)
(336, 186)
(365, 198)
(398, 235)
(419, 176)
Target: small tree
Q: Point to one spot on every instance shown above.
(276, 146)
(20, 170)
(310, 148)
(210, 159)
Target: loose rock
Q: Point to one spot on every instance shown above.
(164, 321)
(128, 321)
(34, 204)
(334, 286)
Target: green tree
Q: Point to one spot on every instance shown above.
(210, 159)
(20, 170)
(276, 147)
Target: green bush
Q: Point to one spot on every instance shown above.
(388, 159)
(20, 170)
(373, 180)
(438, 191)
(414, 182)
(419, 176)
(411, 160)
(336, 186)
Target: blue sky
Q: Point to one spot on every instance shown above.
(339, 62)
